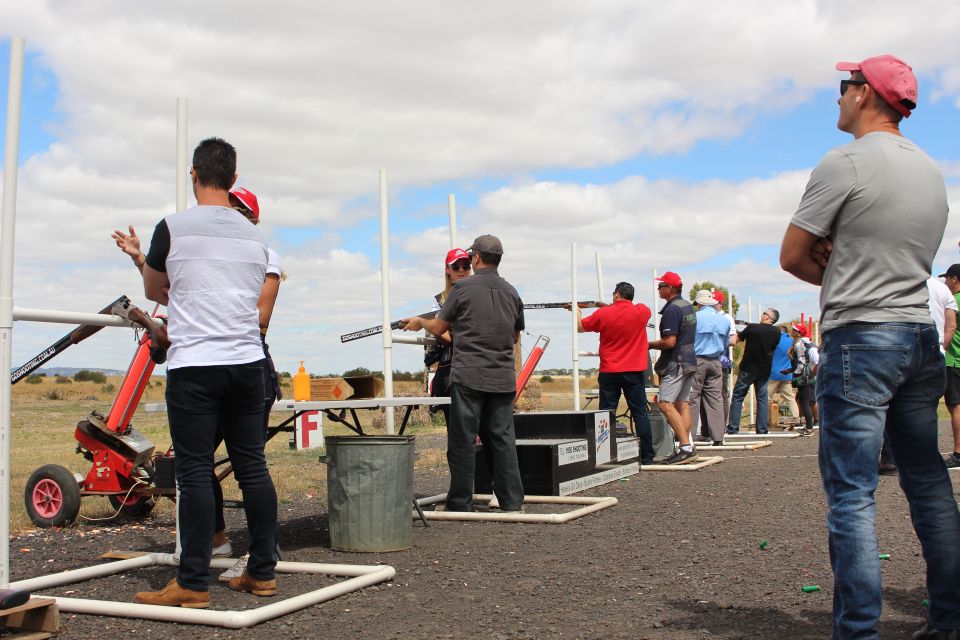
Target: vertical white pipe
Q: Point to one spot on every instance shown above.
(385, 295)
(599, 276)
(730, 377)
(452, 213)
(182, 154)
(11, 158)
(751, 391)
(573, 324)
(182, 176)
(654, 305)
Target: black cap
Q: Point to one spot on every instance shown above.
(954, 271)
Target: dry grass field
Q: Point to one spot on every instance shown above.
(45, 415)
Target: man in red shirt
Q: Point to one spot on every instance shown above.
(623, 358)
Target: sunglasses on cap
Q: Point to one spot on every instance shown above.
(662, 285)
(460, 265)
(846, 84)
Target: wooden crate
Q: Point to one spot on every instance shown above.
(39, 618)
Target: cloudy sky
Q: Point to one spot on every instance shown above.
(660, 135)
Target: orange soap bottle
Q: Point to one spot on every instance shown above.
(301, 384)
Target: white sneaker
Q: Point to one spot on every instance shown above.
(223, 551)
(236, 570)
(494, 503)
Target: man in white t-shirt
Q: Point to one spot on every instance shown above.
(943, 310)
(207, 265)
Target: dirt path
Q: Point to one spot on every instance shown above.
(678, 557)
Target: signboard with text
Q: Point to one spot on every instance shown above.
(308, 433)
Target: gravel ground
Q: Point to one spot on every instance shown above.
(678, 557)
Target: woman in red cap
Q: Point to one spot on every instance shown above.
(802, 369)
(456, 268)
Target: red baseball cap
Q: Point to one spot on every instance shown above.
(456, 254)
(718, 296)
(247, 199)
(891, 77)
(671, 279)
(801, 329)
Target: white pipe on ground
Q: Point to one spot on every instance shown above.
(359, 576)
(589, 505)
(385, 298)
(7, 226)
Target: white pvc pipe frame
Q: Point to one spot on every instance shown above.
(589, 505)
(359, 576)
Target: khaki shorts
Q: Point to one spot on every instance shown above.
(677, 387)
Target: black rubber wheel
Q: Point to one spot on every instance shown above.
(52, 496)
(134, 505)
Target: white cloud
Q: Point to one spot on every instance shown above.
(317, 97)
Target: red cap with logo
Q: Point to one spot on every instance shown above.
(456, 254)
(801, 329)
(718, 296)
(671, 279)
(248, 200)
(891, 77)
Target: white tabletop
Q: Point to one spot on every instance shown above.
(322, 405)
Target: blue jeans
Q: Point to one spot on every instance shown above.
(744, 380)
(631, 383)
(871, 376)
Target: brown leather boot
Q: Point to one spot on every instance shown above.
(248, 583)
(173, 595)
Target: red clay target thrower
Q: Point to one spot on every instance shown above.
(123, 459)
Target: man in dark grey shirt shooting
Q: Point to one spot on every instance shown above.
(486, 313)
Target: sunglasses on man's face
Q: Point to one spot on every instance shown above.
(662, 285)
(460, 266)
(846, 84)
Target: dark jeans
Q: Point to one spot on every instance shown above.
(873, 376)
(440, 388)
(804, 396)
(740, 389)
(199, 400)
(271, 393)
(489, 415)
(631, 384)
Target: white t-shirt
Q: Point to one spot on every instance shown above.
(940, 300)
(273, 262)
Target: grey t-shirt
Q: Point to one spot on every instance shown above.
(883, 203)
(486, 312)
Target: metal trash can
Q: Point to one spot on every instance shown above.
(663, 442)
(370, 492)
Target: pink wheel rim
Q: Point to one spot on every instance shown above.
(47, 498)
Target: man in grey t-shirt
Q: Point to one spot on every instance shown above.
(486, 313)
(866, 231)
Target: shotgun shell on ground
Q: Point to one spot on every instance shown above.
(811, 588)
